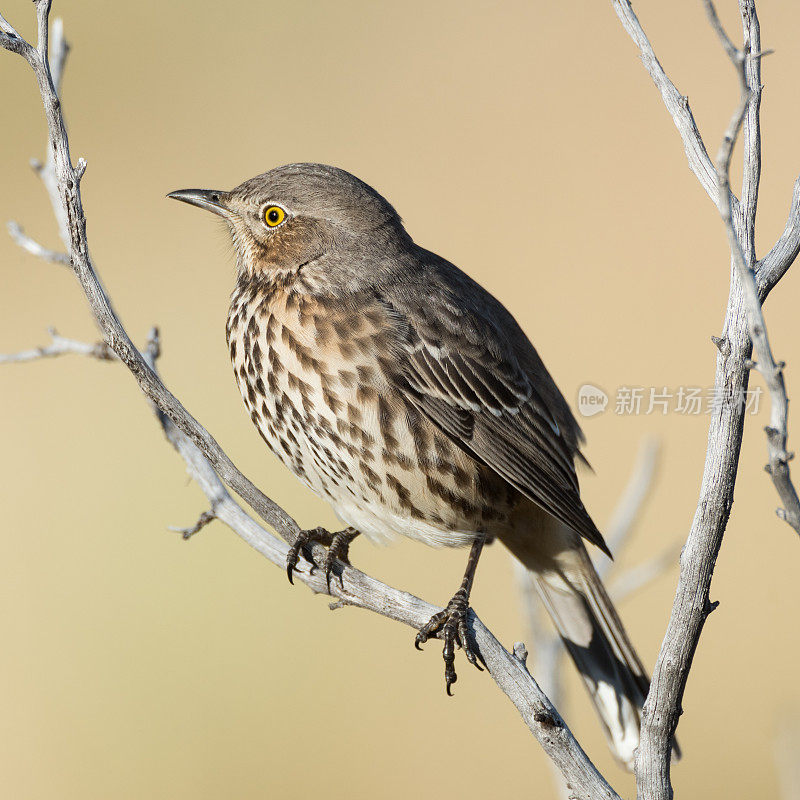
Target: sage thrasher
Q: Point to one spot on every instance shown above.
(408, 397)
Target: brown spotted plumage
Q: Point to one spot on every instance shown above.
(403, 393)
(333, 416)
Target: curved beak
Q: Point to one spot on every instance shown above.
(211, 200)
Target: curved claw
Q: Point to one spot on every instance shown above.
(471, 657)
(293, 557)
(421, 638)
(338, 548)
(450, 625)
(338, 545)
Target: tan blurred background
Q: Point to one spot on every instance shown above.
(525, 142)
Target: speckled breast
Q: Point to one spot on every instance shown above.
(313, 376)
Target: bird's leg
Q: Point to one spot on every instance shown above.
(451, 624)
(337, 544)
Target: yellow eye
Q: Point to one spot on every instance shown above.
(274, 216)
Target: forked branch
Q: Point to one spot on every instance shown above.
(744, 319)
(743, 252)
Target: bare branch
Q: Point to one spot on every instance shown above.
(67, 195)
(34, 248)
(202, 521)
(777, 435)
(692, 603)
(11, 40)
(59, 50)
(751, 133)
(59, 346)
(676, 103)
(210, 466)
(774, 265)
(7, 29)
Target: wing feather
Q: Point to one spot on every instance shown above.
(490, 393)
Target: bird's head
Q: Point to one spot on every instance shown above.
(294, 215)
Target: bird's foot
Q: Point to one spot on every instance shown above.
(450, 625)
(337, 544)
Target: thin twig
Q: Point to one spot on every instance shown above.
(676, 103)
(59, 50)
(751, 133)
(7, 29)
(11, 40)
(772, 371)
(34, 248)
(202, 521)
(777, 261)
(59, 346)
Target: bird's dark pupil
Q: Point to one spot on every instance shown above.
(273, 215)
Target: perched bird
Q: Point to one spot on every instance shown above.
(402, 392)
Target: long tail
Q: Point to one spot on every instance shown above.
(589, 625)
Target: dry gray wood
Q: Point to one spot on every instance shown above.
(692, 603)
(770, 269)
(213, 469)
(59, 346)
(747, 65)
(676, 103)
(34, 248)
